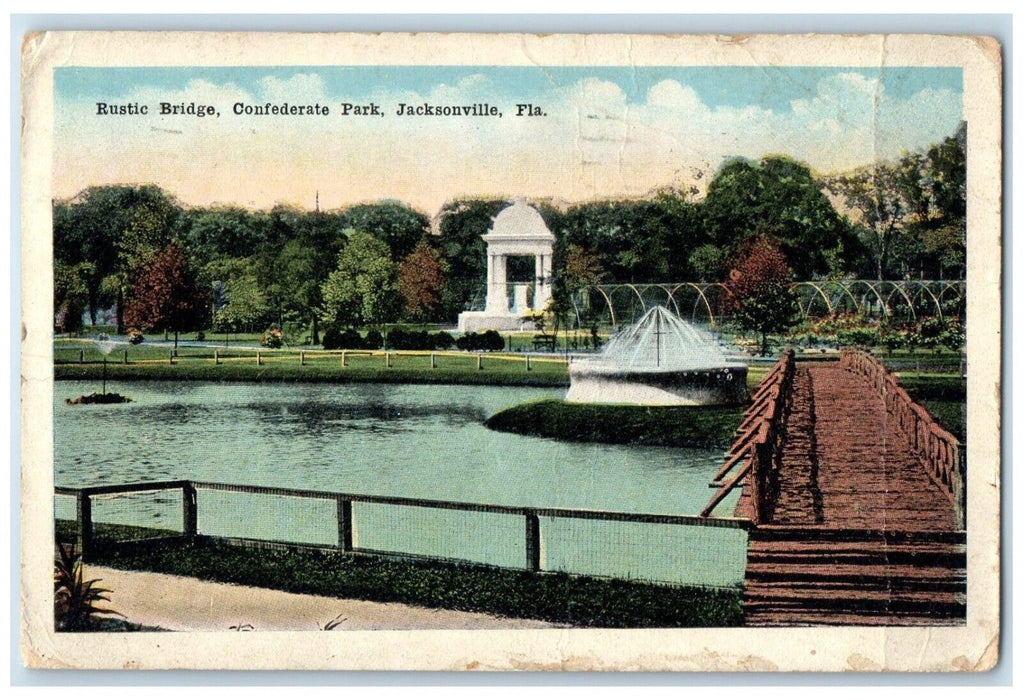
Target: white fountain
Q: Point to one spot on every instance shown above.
(659, 360)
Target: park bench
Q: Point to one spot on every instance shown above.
(542, 341)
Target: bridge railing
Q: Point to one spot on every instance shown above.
(940, 452)
(662, 548)
(756, 448)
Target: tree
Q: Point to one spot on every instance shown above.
(114, 228)
(397, 225)
(364, 289)
(463, 222)
(707, 262)
(778, 198)
(166, 295)
(422, 277)
(757, 290)
(243, 299)
(70, 294)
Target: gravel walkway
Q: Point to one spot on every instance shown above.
(160, 601)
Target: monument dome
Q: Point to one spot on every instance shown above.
(519, 221)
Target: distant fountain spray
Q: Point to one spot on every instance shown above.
(659, 360)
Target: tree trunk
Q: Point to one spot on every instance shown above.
(763, 344)
(175, 342)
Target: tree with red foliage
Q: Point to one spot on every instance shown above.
(757, 290)
(166, 296)
(422, 277)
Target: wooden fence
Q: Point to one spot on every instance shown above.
(940, 452)
(757, 444)
(88, 545)
(342, 358)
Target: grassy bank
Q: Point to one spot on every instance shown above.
(199, 364)
(576, 600)
(669, 426)
(944, 395)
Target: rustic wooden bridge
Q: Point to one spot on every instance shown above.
(857, 499)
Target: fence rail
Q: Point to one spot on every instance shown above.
(756, 447)
(940, 452)
(532, 540)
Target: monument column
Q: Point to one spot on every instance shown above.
(542, 288)
(497, 290)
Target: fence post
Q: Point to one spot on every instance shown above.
(344, 524)
(529, 364)
(344, 359)
(479, 360)
(387, 359)
(81, 356)
(433, 360)
(216, 357)
(189, 511)
(301, 358)
(532, 541)
(84, 519)
(170, 358)
(259, 358)
(125, 357)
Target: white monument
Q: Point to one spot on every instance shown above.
(518, 230)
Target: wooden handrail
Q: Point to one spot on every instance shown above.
(758, 438)
(940, 452)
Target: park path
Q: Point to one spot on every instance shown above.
(859, 533)
(178, 603)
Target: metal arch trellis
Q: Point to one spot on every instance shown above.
(867, 297)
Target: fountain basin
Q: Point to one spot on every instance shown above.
(660, 360)
(594, 382)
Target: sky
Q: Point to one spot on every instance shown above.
(606, 132)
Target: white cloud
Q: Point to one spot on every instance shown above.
(304, 88)
(594, 141)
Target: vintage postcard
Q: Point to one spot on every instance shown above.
(511, 352)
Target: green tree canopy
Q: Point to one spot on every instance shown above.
(779, 198)
(364, 288)
(463, 222)
(399, 226)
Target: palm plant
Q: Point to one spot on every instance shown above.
(75, 600)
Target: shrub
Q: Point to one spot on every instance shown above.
(333, 339)
(200, 336)
(75, 601)
(467, 341)
(443, 340)
(272, 338)
(931, 330)
(135, 336)
(374, 340)
(487, 341)
(863, 336)
(401, 339)
(492, 341)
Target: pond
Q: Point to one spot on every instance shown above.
(378, 439)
